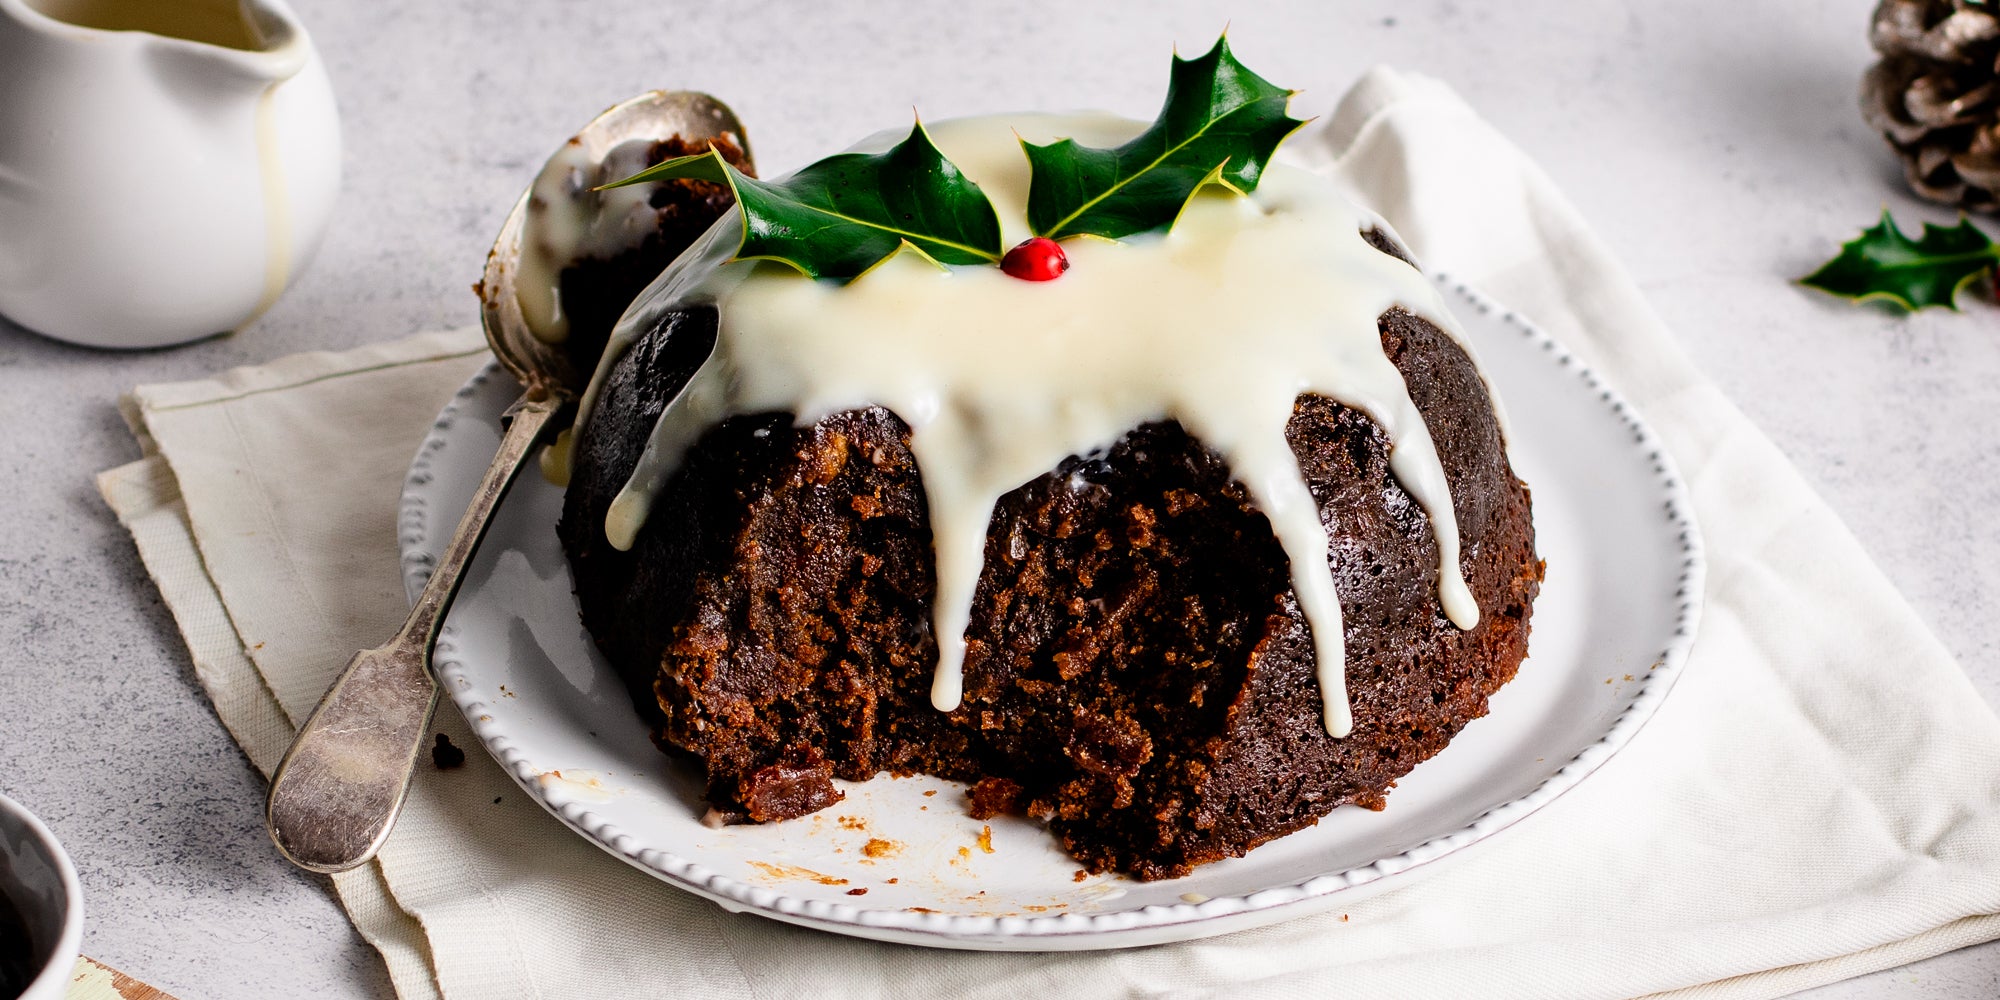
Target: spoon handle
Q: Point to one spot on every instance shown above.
(336, 794)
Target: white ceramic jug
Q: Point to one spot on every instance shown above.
(166, 166)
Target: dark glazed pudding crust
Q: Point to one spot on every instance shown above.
(1138, 673)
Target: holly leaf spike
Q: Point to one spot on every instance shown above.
(847, 213)
(1220, 124)
(1883, 264)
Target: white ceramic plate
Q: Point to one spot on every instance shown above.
(1611, 631)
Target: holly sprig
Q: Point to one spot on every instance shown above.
(1883, 264)
(843, 215)
(1219, 125)
(849, 212)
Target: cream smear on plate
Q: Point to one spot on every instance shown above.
(1220, 323)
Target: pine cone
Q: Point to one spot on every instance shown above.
(1935, 95)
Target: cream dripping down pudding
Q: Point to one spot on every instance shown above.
(1206, 535)
(1001, 379)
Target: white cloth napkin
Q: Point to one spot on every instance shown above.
(1820, 797)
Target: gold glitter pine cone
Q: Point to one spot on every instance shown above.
(1935, 95)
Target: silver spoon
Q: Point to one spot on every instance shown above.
(336, 794)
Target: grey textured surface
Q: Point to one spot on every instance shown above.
(1713, 143)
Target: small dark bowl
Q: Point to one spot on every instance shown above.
(41, 907)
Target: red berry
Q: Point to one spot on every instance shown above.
(1036, 259)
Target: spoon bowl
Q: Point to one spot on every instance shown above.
(541, 366)
(335, 796)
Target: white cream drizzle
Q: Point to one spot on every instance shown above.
(569, 220)
(1220, 324)
(277, 205)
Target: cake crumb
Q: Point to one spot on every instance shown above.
(446, 756)
(504, 693)
(986, 838)
(1343, 918)
(891, 881)
(853, 823)
(991, 796)
(879, 848)
(930, 793)
(1080, 875)
(858, 891)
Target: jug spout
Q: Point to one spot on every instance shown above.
(253, 41)
(224, 23)
(198, 73)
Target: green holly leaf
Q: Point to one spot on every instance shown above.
(1884, 264)
(1220, 124)
(849, 212)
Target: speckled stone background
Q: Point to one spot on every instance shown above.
(1714, 144)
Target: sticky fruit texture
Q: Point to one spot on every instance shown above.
(1036, 259)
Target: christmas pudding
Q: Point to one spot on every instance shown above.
(1176, 526)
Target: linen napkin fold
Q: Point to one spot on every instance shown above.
(1819, 798)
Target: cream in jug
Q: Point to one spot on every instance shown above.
(166, 166)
